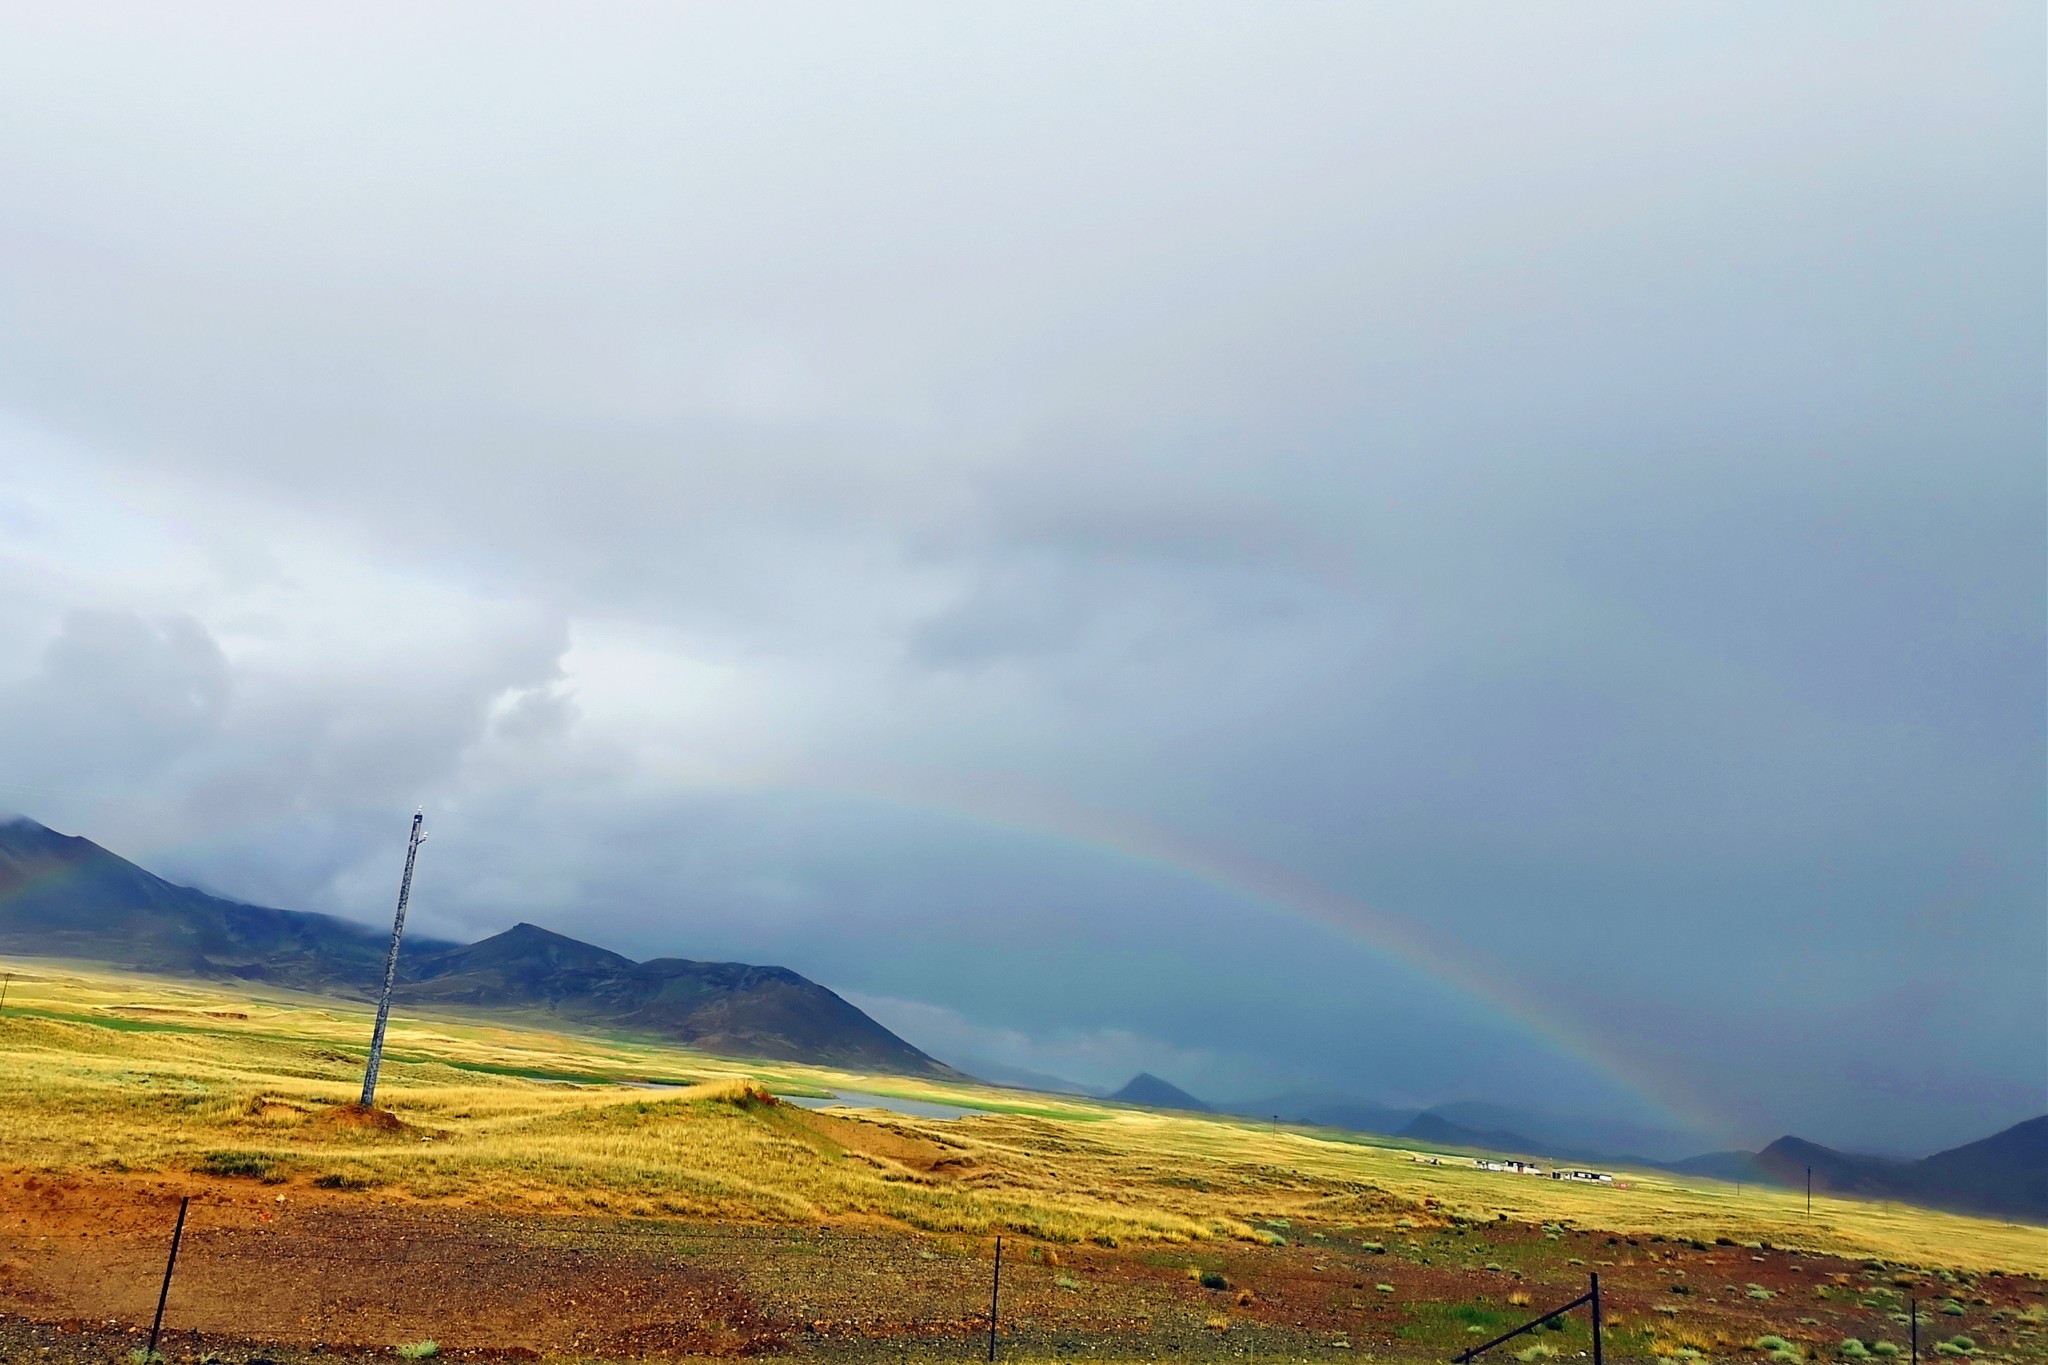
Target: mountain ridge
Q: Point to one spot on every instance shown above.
(65, 896)
(1153, 1093)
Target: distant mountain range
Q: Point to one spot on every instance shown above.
(63, 896)
(2005, 1175)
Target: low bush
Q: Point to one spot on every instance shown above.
(239, 1165)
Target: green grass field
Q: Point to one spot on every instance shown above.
(116, 1073)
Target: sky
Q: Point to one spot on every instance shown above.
(1412, 552)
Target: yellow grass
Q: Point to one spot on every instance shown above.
(111, 1071)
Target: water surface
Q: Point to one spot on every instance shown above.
(861, 1099)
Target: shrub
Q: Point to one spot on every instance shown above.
(419, 1350)
(1540, 1351)
(1066, 1282)
(1884, 1348)
(1952, 1308)
(1518, 1299)
(1212, 1279)
(1553, 1324)
(1757, 1291)
(1852, 1349)
(1681, 1289)
(238, 1164)
(1384, 1288)
(1770, 1343)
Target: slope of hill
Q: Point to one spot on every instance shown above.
(2006, 1173)
(62, 896)
(1154, 1093)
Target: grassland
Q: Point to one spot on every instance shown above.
(109, 1072)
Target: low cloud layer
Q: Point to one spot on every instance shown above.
(927, 499)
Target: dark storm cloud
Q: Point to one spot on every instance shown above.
(1571, 481)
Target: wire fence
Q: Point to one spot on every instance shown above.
(339, 1281)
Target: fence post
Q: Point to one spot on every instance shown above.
(1596, 1318)
(1913, 1314)
(177, 1235)
(995, 1294)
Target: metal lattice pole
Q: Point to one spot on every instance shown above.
(412, 849)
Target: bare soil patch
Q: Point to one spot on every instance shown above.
(296, 1273)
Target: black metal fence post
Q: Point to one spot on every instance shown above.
(177, 1235)
(995, 1294)
(1913, 1316)
(1596, 1318)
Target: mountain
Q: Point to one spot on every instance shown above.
(1605, 1138)
(727, 1007)
(63, 896)
(1431, 1126)
(1148, 1090)
(2004, 1175)
(1022, 1078)
(1739, 1167)
(1326, 1110)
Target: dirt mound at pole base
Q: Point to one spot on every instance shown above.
(361, 1118)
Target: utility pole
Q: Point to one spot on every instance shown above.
(3, 991)
(1809, 1189)
(412, 850)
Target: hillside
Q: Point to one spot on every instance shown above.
(64, 896)
(2004, 1174)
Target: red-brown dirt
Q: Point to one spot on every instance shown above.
(280, 1270)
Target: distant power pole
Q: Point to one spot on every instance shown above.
(1809, 1189)
(412, 850)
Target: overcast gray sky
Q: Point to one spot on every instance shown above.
(1485, 551)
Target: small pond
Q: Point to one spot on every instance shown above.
(860, 1099)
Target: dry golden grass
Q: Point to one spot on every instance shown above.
(110, 1071)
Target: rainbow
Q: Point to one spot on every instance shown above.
(1457, 967)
